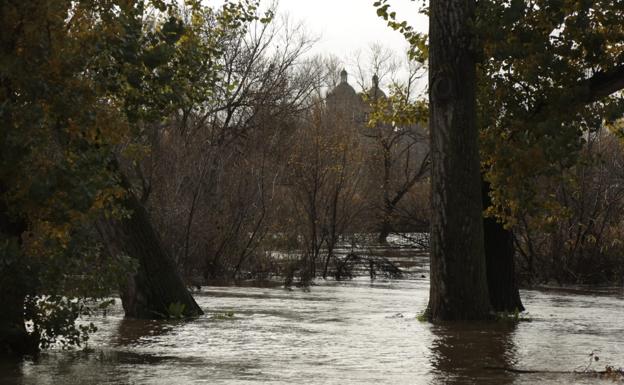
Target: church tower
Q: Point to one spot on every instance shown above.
(343, 102)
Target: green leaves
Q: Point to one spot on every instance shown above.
(537, 59)
(74, 90)
(419, 50)
(398, 110)
(176, 310)
(157, 55)
(382, 10)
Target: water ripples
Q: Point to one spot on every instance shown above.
(354, 332)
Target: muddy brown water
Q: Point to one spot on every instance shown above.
(353, 332)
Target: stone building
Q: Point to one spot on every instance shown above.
(344, 103)
(348, 107)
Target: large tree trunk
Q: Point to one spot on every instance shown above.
(458, 277)
(499, 257)
(16, 281)
(157, 283)
(14, 339)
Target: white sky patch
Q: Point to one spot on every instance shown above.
(346, 26)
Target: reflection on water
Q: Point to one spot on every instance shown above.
(354, 332)
(10, 371)
(473, 353)
(135, 332)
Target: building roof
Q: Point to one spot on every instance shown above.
(343, 90)
(375, 92)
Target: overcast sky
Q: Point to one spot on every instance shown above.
(347, 25)
(344, 27)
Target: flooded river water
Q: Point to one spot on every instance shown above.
(353, 332)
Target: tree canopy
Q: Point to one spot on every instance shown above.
(549, 77)
(81, 83)
(549, 73)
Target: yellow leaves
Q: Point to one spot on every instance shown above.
(550, 220)
(616, 127)
(101, 201)
(60, 233)
(110, 126)
(45, 237)
(106, 200)
(136, 151)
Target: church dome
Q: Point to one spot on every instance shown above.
(343, 91)
(344, 102)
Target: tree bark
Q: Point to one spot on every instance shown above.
(384, 230)
(14, 339)
(499, 259)
(157, 284)
(458, 288)
(16, 282)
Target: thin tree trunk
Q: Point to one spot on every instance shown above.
(157, 284)
(500, 265)
(385, 228)
(458, 288)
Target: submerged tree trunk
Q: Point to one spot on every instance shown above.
(14, 339)
(16, 282)
(458, 288)
(384, 230)
(157, 284)
(499, 258)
